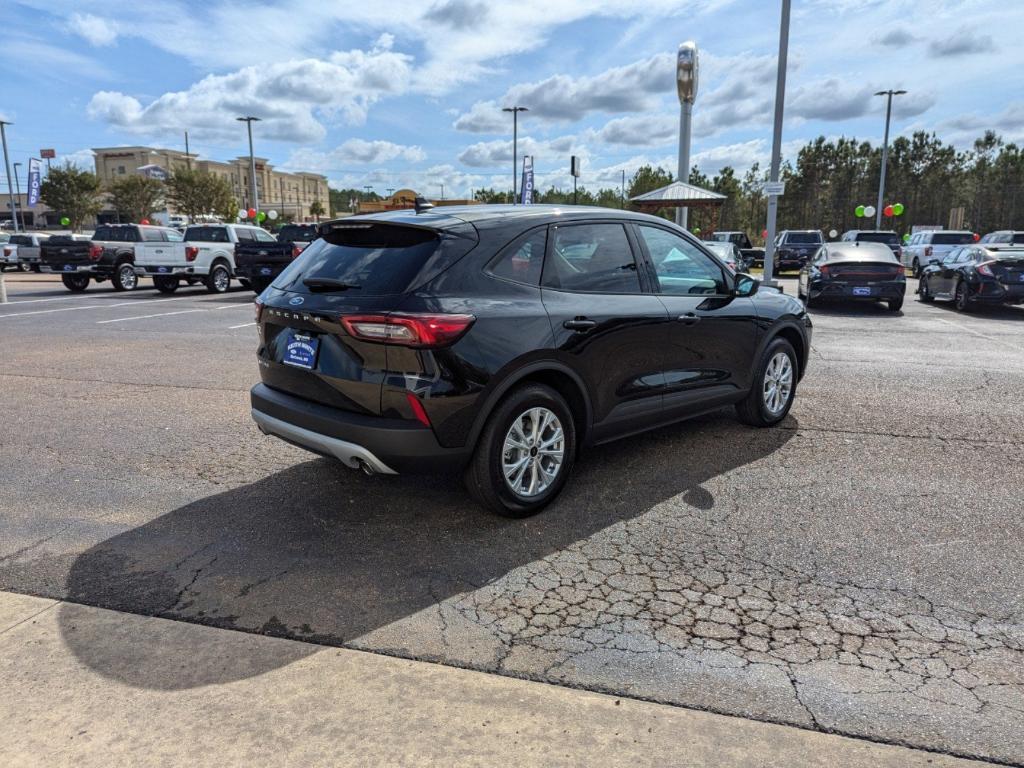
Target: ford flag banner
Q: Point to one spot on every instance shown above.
(527, 186)
(34, 182)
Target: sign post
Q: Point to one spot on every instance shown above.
(574, 169)
(527, 186)
(48, 155)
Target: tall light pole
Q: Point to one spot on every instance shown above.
(515, 110)
(249, 120)
(686, 86)
(17, 190)
(7, 165)
(780, 103)
(885, 153)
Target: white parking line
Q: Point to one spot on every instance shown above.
(243, 325)
(140, 300)
(144, 317)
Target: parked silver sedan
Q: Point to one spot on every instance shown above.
(729, 253)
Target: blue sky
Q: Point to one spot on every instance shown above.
(397, 94)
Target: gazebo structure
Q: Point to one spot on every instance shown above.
(679, 194)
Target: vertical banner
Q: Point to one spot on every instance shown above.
(34, 182)
(526, 188)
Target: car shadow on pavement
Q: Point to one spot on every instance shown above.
(320, 553)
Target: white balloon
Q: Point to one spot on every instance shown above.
(242, 213)
(833, 234)
(869, 211)
(271, 215)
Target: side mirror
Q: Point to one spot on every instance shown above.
(934, 262)
(745, 285)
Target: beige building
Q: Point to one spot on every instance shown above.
(287, 193)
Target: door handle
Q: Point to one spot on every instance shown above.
(581, 324)
(689, 318)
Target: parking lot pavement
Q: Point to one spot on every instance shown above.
(281, 702)
(855, 571)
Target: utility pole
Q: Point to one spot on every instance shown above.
(515, 110)
(249, 120)
(885, 153)
(780, 100)
(442, 191)
(7, 166)
(687, 71)
(188, 157)
(622, 191)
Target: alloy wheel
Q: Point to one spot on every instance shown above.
(533, 452)
(221, 279)
(778, 383)
(128, 278)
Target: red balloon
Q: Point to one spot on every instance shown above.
(252, 213)
(887, 210)
(144, 221)
(764, 233)
(977, 237)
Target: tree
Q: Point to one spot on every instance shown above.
(135, 197)
(316, 209)
(199, 193)
(72, 193)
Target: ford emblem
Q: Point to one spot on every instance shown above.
(296, 301)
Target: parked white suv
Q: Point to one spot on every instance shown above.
(208, 257)
(933, 245)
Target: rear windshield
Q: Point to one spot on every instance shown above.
(889, 238)
(806, 238)
(376, 259)
(293, 234)
(1018, 238)
(954, 238)
(207, 234)
(20, 240)
(115, 234)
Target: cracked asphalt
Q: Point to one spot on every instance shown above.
(855, 571)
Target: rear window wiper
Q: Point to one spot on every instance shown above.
(328, 284)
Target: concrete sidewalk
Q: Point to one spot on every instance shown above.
(90, 687)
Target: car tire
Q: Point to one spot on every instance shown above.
(259, 284)
(23, 267)
(961, 298)
(219, 278)
(124, 277)
(75, 283)
(166, 284)
(924, 292)
(895, 305)
(244, 282)
(758, 409)
(485, 476)
(917, 269)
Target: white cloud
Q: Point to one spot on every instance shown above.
(354, 152)
(498, 153)
(649, 130)
(94, 29)
(962, 43)
(631, 88)
(291, 98)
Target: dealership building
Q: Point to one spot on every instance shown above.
(287, 193)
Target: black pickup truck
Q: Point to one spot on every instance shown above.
(109, 254)
(754, 256)
(260, 262)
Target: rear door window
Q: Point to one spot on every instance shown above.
(153, 236)
(523, 259)
(954, 238)
(245, 236)
(591, 258)
(263, 236)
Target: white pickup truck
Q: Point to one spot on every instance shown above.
(208, 257)
(932, 245)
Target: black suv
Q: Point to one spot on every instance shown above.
(501, 340)
(795, 247)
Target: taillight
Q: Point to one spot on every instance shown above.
(900, 271)
(8, 252)
(296, 250)
(418, 409)
(95, 252)
(191, 252)
(985, 269)
(258, 307)
(408, 330)
(823, 269)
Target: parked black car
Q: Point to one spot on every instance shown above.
(500, 340)
(976, 274)
(854, 271)
(259, 263)
(795, 247)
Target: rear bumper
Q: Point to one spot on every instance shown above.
(878, 290)
(388, 446)
(258, 271)
(164, 270)
(90, 269)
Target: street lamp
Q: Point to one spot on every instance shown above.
(249, 120)
(885, 152)
(686, 85)
(780, 102)
(17, 191)
(515, 142)
(7, 165)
